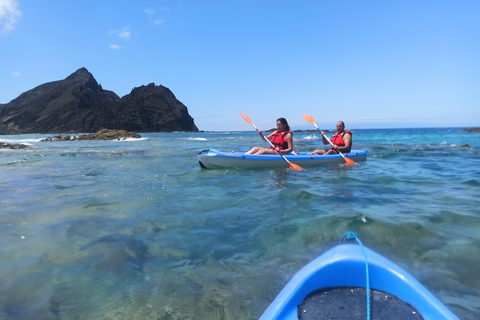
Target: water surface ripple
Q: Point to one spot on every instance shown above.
(136, 230)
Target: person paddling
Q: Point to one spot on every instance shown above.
(342, 141)
(280, 138)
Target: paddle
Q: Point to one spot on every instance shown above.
(292, 165)
(348, 162)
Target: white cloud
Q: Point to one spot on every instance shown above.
(16, 73)
(154, 21)
(9, 15)
(123, 33)
(115, 46)
(149, 11)
(157, 21)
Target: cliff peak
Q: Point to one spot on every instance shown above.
(79, 104)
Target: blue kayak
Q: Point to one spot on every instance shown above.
(215, 159)
(311, 293)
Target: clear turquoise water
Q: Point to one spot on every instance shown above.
(136, 230)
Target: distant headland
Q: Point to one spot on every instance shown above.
(79, 104)
(475, 129)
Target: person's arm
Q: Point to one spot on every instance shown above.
(260, 132)
(325, 141)
(269, 137)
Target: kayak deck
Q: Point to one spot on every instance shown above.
(350, 303)
(345, 266)
(215, 159)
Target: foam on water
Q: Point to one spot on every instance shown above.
(19, 141)
(307, 137)
(196, 139)
(131, 139)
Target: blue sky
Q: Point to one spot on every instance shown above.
(372, 64)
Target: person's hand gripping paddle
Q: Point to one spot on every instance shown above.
(293, 166)
(348, 162)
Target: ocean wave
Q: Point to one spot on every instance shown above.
(131, 139)
(196, 139)
(307, 138)
(21, 141)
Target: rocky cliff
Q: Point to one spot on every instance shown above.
(79, 104)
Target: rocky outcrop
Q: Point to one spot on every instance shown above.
(475, 129)
(14, 146)
(79, 104)
(151, 108)
(103, 134)
(106, 134)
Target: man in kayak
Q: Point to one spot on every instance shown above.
(281, 139)
(342, 141)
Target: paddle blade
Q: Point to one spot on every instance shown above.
(244, 116)
(349, 162)
(309, 118)
(295, 167)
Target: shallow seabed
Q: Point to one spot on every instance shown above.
(136, 230)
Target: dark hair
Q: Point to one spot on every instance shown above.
(284, 121)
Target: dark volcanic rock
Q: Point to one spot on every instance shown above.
(106, 134)
(152, 109)
(103, 134)
(14, 146)
(62, 137)
(476, 129)
(79, 104)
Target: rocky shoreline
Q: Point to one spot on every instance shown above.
(104, 134)
(14, 146)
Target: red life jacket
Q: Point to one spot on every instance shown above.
(279, 141)
(338, 139)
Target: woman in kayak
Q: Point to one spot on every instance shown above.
(281, 139)
(342, 141)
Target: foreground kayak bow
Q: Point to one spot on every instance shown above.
(355, 268)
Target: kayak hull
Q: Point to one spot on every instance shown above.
(344, 265)
(214, 159)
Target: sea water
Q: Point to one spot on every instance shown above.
(135, 229)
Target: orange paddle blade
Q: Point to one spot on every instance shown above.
(295, 167)
(309, 118)
(246, 118)
(349, 162)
